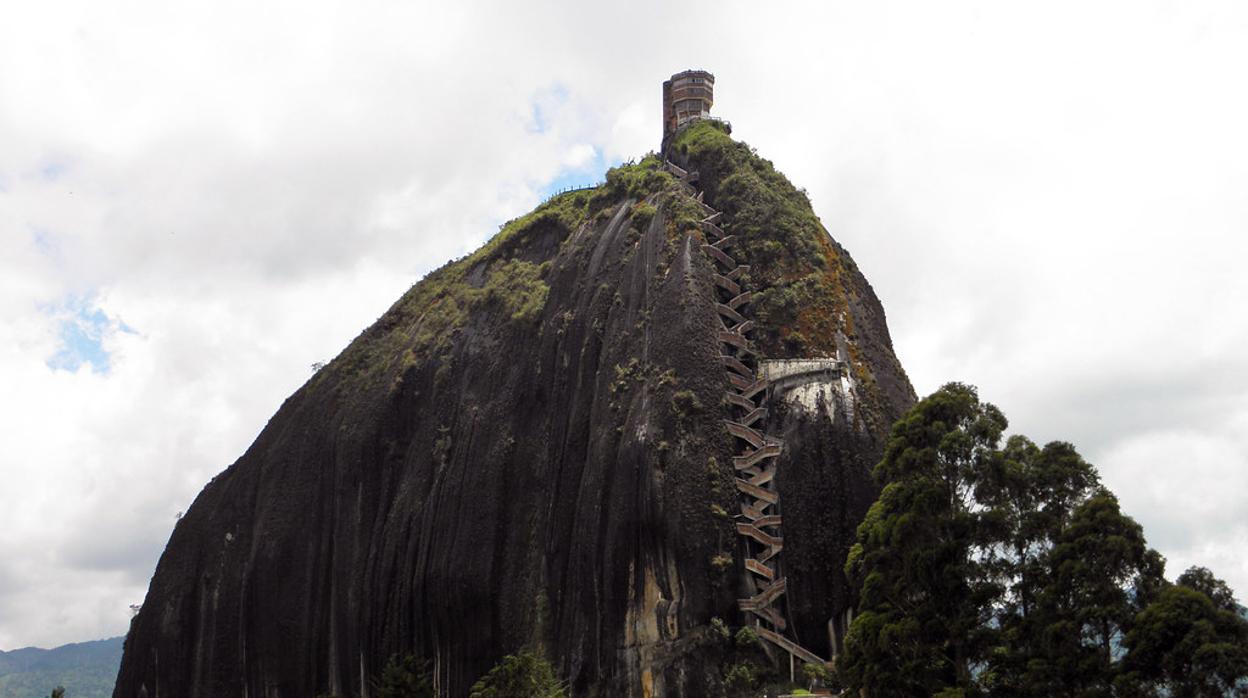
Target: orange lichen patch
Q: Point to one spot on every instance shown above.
(817, 323)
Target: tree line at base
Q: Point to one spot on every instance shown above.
(1009, 570)
(525, 674)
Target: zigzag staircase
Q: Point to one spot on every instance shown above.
(755, 465)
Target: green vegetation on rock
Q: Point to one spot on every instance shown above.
(525, 674)
(774, 219)
(803, 282)
(405, 677)
(631, 181)
(501, 276)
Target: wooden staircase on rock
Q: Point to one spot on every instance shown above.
(755, 465)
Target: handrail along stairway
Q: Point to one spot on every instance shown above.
(755, 465)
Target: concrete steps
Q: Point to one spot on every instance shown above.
(759, 521)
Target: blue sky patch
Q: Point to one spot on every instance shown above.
(592, 172)
(83, 330)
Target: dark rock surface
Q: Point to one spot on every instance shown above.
(525, 450)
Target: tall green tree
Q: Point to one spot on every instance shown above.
(926, 596)
(992, 570)
(1028, 496)
(1100, 574)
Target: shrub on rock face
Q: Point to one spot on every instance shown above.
(741, 679)
(816, 675)
(405, 677)
(685, 403)
(525, 674)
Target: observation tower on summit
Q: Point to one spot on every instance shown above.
(687, 96)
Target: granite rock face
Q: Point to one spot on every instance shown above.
(527, 450)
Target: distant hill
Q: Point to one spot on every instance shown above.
(85, 669)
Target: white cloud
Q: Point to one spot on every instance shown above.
(579, 156)
(1048, 200)
(1186, 486)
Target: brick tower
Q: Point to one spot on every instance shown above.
(686, 96)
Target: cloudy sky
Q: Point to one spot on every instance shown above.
(199, 200)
